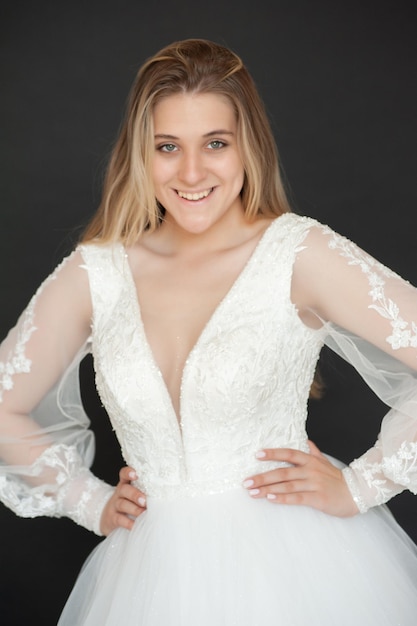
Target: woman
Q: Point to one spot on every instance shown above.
(205, 303)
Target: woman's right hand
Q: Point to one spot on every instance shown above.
(125, 505)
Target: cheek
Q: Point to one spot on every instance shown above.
(237, 167)
(239, 176)
(161, 171)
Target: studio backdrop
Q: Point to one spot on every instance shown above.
(339, 83)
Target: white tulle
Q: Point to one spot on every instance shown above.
(222, 559)
(204, 552)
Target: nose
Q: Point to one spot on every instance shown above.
(192, 169)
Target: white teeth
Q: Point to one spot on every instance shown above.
(194, 196)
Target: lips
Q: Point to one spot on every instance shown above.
(199, 195)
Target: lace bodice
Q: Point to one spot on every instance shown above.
(244, 385)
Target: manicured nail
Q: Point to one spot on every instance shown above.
(142, 502)
(132, 475)
(248, 483)
(253, 492)
(271, 496)
(261, 454)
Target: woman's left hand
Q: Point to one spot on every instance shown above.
(310, 480)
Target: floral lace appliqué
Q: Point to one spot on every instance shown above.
(67, 489)
(398, 467)
(404, 334)
(17, 362)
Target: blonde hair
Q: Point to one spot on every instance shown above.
(128, 205)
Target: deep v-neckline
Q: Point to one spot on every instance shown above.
(216, 312)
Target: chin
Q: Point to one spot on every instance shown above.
(194, 226)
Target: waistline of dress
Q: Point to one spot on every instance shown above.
(159, 490)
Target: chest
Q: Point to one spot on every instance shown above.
(253, 354)
(177, 298)
(217, 330)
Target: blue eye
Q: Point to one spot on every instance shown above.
(216, 144)
(167, 147)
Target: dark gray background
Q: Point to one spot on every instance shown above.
(339, 82)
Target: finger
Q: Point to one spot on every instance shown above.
(123, 521)
(307, 473)
(284, 455)
(131, 493)
(298, 498)
(279, 475)
(118, 511)
(127, 507)
(314, 449)
(285, 487)
(127, 474)
(310, 477)
(307, 485)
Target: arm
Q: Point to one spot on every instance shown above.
(45, 444)
(370, 316)
(345, 286)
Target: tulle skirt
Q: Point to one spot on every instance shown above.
(227, 559)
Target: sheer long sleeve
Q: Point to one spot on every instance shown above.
(46, 447)
(370, 315)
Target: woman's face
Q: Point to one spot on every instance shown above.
(197, 169)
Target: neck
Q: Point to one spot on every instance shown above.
(225, 233)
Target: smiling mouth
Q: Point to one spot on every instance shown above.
(194, 196)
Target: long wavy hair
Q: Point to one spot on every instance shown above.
(128, 206)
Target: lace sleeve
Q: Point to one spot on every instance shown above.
(370, 315)
(45, 444)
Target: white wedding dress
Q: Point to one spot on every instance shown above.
(204, 552)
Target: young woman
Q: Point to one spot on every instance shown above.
(205, 303)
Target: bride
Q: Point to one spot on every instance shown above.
(205, 303)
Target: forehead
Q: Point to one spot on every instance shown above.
(186, 112)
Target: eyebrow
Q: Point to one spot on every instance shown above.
(212, 133)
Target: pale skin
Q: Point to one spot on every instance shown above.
(205, 240)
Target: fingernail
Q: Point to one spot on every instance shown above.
(132, 475)
(261, 454)
(271, 496)
(253, 492)
(142, 502)
(248, 483)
